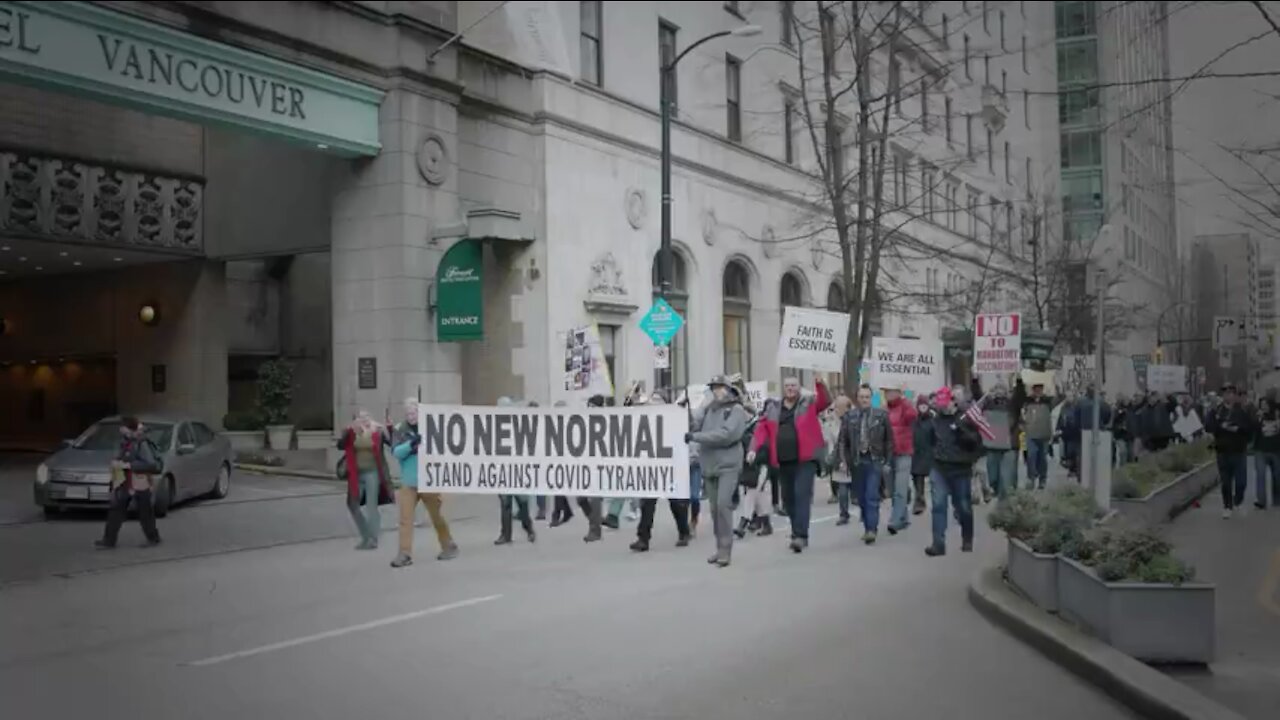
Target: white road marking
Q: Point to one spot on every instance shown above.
(339, 632)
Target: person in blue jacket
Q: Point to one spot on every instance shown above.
(406, 440)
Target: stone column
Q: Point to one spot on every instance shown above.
(385, 212)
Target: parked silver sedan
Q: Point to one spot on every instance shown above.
(197, 463)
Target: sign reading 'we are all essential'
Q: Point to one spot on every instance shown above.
(602, 452)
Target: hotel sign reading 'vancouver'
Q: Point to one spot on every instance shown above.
(88, 49)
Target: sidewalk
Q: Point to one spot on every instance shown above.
(1242, 556)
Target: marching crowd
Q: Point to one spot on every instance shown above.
(944, 452)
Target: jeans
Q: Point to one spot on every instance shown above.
(1261, 462)
(866, 480)
(955, 484)
(1233, 471)
(842, 498)
(368, 523)
(900, 517)
(542, 505)
(407, 499)
(1002, 471)
(679, 511)
(796, 479)
(120, 498)
(1037, 462)
(720, 497)
(591, 507)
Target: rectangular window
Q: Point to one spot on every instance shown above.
(895, 86)
(1008, 177)
(986, 24)
(1081, 149)
(737, 344)
(1078, 107)
(968, 136)
(1008, 227)
(975, 222)
(1004, 83)
(926, 192)
(733, 96)
(946, 102)
(1003, 46)
(667, 54)
(924, 103)
(953, 206)
(590, 21)
(986, 68)
(609, 347)
(991, 152)
(1026, 108)
(1075, 19)
(788, 23)
(789, 130)
(1025, 67)
(1030, 176)
(968, 71)
(828, 23)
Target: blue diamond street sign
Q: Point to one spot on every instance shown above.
(661, 323)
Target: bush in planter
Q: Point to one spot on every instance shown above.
(1018, 515)
(275, 391)
(1137, 480)
(1125, 554)
(1067, 515)
(242, 422)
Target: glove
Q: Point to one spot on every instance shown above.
(414, 442)
(688, 438)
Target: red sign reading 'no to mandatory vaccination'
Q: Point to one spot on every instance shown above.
(997, 344)
(601, 452)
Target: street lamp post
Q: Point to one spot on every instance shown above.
(665, 81)
(1102, 494)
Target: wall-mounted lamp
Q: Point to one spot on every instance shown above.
(149, 314)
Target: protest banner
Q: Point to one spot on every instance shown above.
(906, 364)
(997, 344)
(1167, 378)
(603, 452)
(813, 339)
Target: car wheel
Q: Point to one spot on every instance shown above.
(164, 496)
(222, 484)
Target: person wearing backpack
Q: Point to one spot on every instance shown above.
(136, 461)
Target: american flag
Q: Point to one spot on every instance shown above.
(979, 420)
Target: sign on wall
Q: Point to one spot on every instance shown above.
(636, 451)
(585, 367)
(367, 373)
(813, 339)
(460, 293)
(903, 364)
(997, 344)
(88, 49)
(1167, 378)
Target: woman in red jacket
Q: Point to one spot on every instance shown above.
(791, 428)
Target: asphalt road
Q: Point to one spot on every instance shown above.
(558, 629)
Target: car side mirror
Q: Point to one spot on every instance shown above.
(66, 444)
(186, 449)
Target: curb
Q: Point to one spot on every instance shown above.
(1143, 689)
(285, 472)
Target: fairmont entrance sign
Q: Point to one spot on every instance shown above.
(90, 50)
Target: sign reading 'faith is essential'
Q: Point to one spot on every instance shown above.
(602, 452)
(813, 339)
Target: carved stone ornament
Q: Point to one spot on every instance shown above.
(709, 226)
(433, 159)
(769, 239)
(57, 199)
(636, 207)
(816, 253)
(606, 277)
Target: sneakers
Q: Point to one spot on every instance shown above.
(869, 537)
(401, 560)
(844, 520)
(591, 536)
(150, 542)
(683, 541)
(533, 537)
(633, 515)
(502, 540)
(448, 553)
(797, 545)
(935, 550)
(103, 545)
(966, 546)
(766, 527)
(610, 521)
(1226, 514)
(367, 545)
(714, 559)
(741, 530)
(640, 546)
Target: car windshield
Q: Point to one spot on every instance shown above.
(106, 436)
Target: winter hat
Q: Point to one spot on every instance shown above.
(943, 397)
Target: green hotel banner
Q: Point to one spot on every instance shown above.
(88, 49)
(460, 293)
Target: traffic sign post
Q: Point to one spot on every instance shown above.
(661, 323)
(661, 357)
(1226, 332)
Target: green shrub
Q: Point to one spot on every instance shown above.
(1018, 515)
(275, 391)
(1138, 479)
(242, 421)
(1165, 569)
(1134, 555)
(1074, 500)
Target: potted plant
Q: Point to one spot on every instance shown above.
(1038, 527)
(1125, 586)
(244, 430)
(275, 395)
(316, 433)
(1160, 486)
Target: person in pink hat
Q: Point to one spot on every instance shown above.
(957, 445)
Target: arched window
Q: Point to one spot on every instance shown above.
(791, 294)
(679, 299)
(737, 319)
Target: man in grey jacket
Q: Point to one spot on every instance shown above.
(719, 434)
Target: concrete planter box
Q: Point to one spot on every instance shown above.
(315, 439)
(279, 437)
(246, 441)
(1168, 501)
(1155, 623)
(1034, 574)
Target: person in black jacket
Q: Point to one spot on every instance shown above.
(1266, 448)
(957, 445)
(136, 462)
(1231, 425)
(922, 457)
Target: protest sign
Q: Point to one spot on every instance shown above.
(757, 393)
(1167, 378)
(585, 368)
(603, 452)
(906, 364)
(1187, 426)
(1077, 374)
(1031, 378)
(813, 339)
(997, 344)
